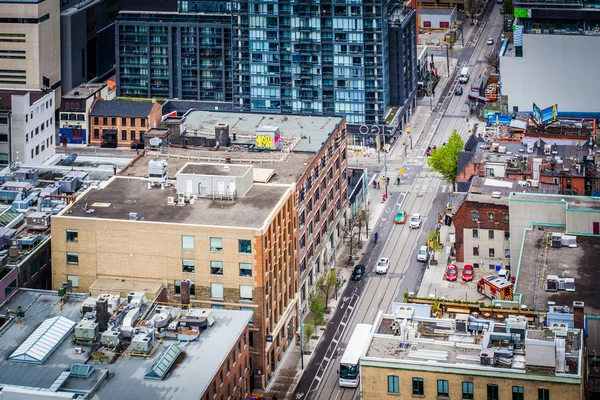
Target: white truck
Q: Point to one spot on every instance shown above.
(463, 77)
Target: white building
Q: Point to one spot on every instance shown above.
(554, 69)
(27, 130)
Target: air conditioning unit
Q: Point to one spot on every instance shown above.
(170, 201)
(556, 284)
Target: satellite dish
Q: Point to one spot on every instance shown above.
(155, 141)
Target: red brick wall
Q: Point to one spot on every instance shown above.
(233, 378)
(469, 171)
(463, 219)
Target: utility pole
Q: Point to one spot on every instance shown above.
(387, 181)
(448, 59)
(462, 34)
(366, 198)
(301, 338)
(378, 145)
(500, 93)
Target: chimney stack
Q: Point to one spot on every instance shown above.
(102, 313)
(185, 291)
(578, 314)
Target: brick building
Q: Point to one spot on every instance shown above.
(230, 240)
(121, 123)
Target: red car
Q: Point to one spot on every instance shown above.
(451, 272)
(467, 273)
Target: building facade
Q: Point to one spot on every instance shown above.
(87, 37)
(230, 249)
(27, 130)
(293, 57)
(122, 123)
(30, 46)
(74, 117)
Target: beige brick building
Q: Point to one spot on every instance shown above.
(30, 45)
(471, 358)
(232, 238)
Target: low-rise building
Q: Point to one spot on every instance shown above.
(89, 350)
(74, 122)
(209, 234)
(471, 358)
(27, 129)
(123, 123)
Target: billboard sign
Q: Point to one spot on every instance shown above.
(522, 13)
(387, 130)
(537, 114)
(549, 114)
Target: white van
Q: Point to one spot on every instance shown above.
(464, 75)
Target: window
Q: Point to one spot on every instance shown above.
(506, 235)
(246, 292)
(72, 235)
(104, 121)
(216, 244)
(132, 120)
(467, 390)
(10, 288)
(442, 388)
(72, 258)
(475, 233)
(245, 246)
(216, 267)
(188, 265)
(187, 242)
(518, 393)
(490, 234)
(132, 135)
(506, 218)
(490, 216)
(543, 394)
(492, 392)
(417, 387)
(249, 309)
(123, 135)
(489, 172)
(114, 121)
(217, 307)
(143, 122)
(475, 215)
(33, 268)
(506, 253)
(476, 251)
(216, 291)
(393, 384)
(96, 133)
(492, 253)
(124, 121)
(245, 270)
(74, 280)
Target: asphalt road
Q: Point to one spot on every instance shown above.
(420, 191)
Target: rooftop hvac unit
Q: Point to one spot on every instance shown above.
(170, 201)
(181, 199)
(556, 240)
(556, 284)
(86, 330)
(110, 338)
(486, 357)
(140, 344)
(462, 323)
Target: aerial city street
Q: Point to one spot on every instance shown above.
(299, 200)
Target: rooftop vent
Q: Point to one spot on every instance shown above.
(496, 195)
(133, 216)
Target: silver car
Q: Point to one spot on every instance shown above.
(423, 254)
(415, 221)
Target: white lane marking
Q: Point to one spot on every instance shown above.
(337, 394)
(371, 312)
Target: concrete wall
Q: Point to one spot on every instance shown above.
(374, 384)
(499, 243)
(435, 18)
(554, 69)
(582, 221)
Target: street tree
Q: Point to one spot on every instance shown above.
(433, 242)
(353, 227)
(308, 333)
(492, 62)
(326, 283)
(316, 309)
(444, 159)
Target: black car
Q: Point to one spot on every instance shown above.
(458, 91)
(358, 272)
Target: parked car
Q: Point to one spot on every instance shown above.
(430, 149)
(423, 254)
(382, 265)
(400, 217)
(358, 272)
(501, 10)
(490, 41)
(415, 221)
(467, 273)
(458, 91)
(502, 36)
(451, 272)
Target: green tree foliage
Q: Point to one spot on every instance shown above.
(317, 310)
(433, 242)
(444, 159)
(308, 332)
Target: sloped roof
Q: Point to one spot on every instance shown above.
(42, 342)
(122, 108)
(463, 160)
(163, 364)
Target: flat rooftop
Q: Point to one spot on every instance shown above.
(215, 169)
(191, 374)
(580, 263)
(571, 202)
(497, 190)
(84, 90)
(435, 11)
(187, 378)
(122, 196)
(313, 131)
(287, 169)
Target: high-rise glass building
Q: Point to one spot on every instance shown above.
(352, 58)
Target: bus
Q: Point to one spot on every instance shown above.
(357, 348)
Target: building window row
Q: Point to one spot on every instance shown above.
(443, 389)
(217, 292)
